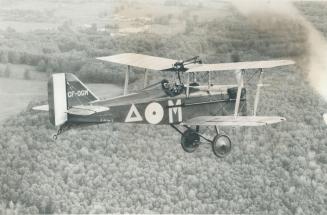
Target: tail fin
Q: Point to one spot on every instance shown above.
(64, 91)
(77, 92)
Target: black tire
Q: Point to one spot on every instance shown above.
(221, 149)
(190, 140)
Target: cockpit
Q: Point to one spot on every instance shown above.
(172, 88)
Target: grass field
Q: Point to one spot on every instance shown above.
(80, 13)
(17, 71)
(16, 94)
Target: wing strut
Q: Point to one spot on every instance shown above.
(188, 85)
(209, 79)
(239, 92)
(126, 80)
(257, 95)
(145, 78)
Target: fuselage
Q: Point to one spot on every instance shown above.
(153, 106)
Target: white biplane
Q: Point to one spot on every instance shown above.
(185, 105)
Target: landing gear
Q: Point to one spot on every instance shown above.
(221, 145)
(190, 141)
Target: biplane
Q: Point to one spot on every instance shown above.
(182, 102)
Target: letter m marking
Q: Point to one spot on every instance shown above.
(175, 111)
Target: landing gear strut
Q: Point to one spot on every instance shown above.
(190, 141)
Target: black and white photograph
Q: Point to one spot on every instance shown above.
(163, 107)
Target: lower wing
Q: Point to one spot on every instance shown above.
(234, 121)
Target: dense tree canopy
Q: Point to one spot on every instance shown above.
(315, 12)
(109, 169)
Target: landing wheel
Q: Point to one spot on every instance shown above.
(190, 140)
(221, 145)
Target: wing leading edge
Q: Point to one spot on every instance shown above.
(160, 63)
(234, 121)
(240, 65)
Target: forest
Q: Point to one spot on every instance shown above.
(315, 12)
(118, 168)
(69, 50)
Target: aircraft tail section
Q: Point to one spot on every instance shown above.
(65, 90)
(77, 92)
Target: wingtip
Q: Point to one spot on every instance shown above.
(100, 58)
(290, 62)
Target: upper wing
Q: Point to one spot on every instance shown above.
(140, 60)
(240, 65)
(234, 121)
(159, 63)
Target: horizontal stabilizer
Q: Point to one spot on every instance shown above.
(241, 65)
(41, 108)
(234, 121)
(86, 110)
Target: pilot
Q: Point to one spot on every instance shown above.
(172, 89)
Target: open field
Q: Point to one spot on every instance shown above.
(60, 11)
(315, 12)
(16, 94)
(24, 17)
(17, 72)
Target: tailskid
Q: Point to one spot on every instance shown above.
(62, 129)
